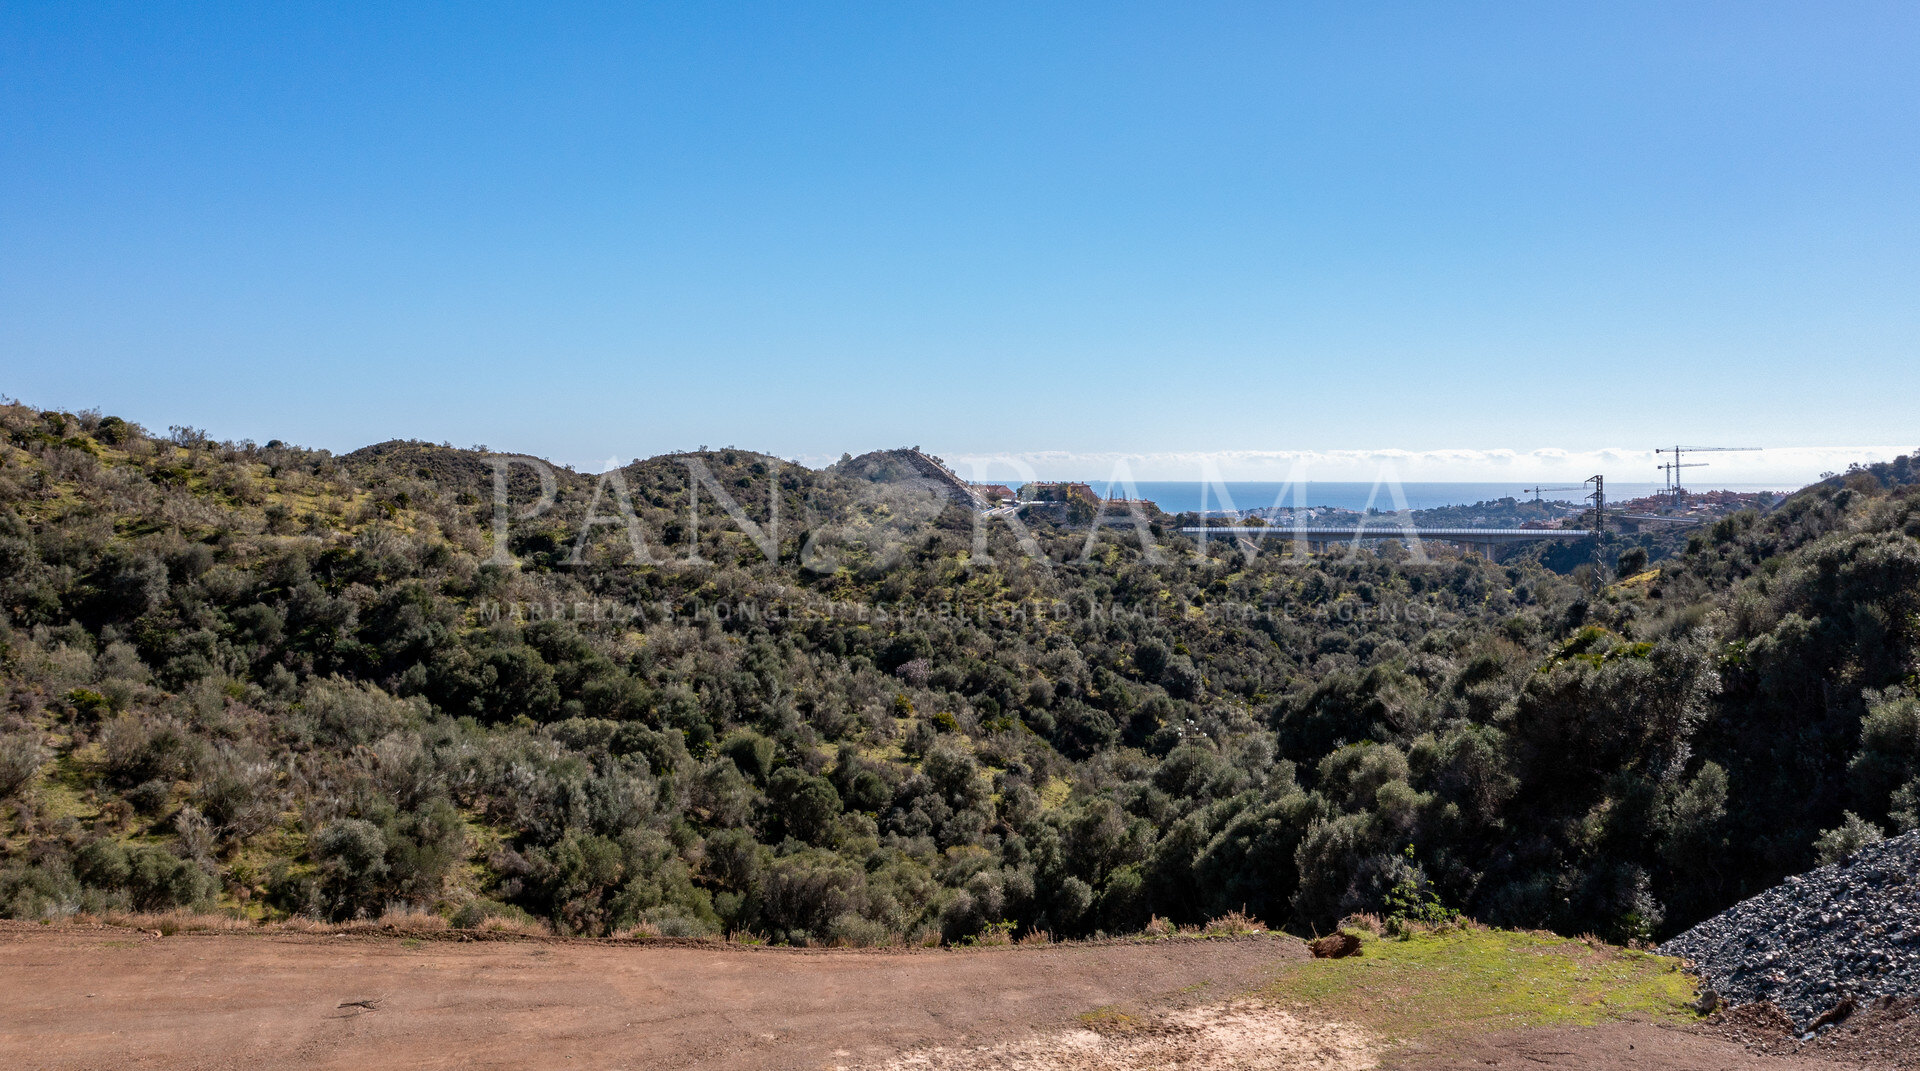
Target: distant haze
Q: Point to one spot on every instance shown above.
(1180, 496)
(1780, 468)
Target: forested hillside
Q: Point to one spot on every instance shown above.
(272, 681)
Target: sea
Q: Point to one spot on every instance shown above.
(1182, 496)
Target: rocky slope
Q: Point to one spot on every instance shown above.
(1819, 942)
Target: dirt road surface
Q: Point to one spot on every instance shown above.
(115, 998)
(1612, 1047)
(121, 999)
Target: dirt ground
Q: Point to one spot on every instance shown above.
(1883, 1033)
(117, 998)
(1611, 1047)
(114, 998)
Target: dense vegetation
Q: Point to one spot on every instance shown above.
(274, 681)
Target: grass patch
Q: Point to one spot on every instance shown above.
(1473, 979)
(1110, 1019)
(63, 790)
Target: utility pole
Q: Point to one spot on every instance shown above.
(1599, 499)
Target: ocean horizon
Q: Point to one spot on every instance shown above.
(1180, 496)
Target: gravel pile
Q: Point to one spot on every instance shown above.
(1820, 943)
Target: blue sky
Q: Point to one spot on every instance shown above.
(1063, 232)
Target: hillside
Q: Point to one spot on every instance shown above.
(273, 682)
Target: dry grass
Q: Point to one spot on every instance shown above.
(527, 927)
(408, 918)
(414, 920)
(1234, 922)
(397, 920)
(1365, 922)
(169, 923)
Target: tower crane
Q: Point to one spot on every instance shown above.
(1674, 465)
(1536, 491)
(1671, 472)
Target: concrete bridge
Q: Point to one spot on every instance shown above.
(1320, 537)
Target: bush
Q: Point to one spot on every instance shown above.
(751, 752)
(1123, 906)
(1848, 837)
(1412, 899)
(21, 756)
(352, 857)
(152, 878)
(113, 431)
(1632, 561)
(356, 713)
(88, 705)
(39, 890)
(475, 913)
(149, 797)
(804, 806)
(238, 797)
(851, 930)
(138, 751)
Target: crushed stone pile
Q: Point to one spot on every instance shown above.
(1821, 943)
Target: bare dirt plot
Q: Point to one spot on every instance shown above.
(1242, 1035)
(112, 998)
(1625, 1046)
(115, 998)
(1251, 1036)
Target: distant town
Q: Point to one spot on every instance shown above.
(1070, 501)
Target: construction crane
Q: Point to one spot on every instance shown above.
(1672, 468)
(1671, 472)
(1536, 491)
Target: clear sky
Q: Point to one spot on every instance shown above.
(1067, 232)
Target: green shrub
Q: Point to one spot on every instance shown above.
(153, 878)
(1851, 835)
(21, 756)
(352, 857)
(751, 753)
